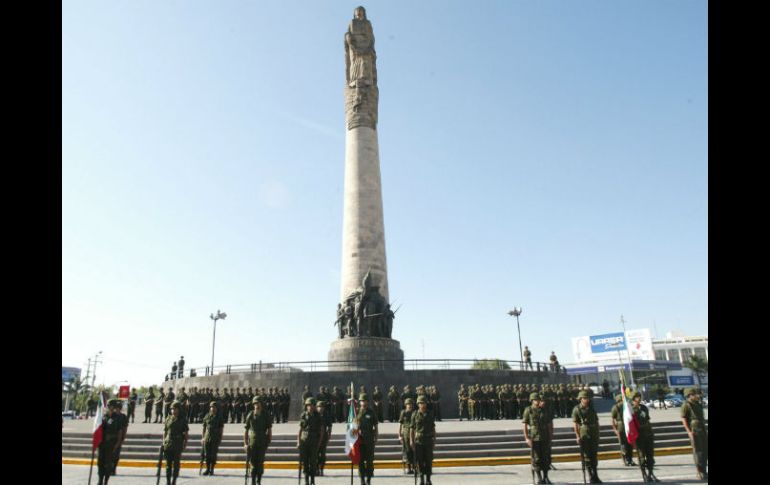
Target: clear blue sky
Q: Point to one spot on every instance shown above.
(550, 155)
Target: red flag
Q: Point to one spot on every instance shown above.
(97, 430)
(630, 421)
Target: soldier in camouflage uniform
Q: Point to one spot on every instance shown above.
(521, 398)
(114, 426)
(587, 433)
(327, 420)
(237, 415)
(694, 422)
(170, 397)
(256, 438)
(436, 398)
(339, 401)
(392, 404)
(618, 426)
(377, 398)
(527, 358)
(645, 442)
(538, 433)
(226, 403)
(367, 436)
(149, 399)
(159, 406)
(183, 398)
(423, 439)
(404, 435)
(213, 427)
(309, 439)
(175, 430)
(462, 402)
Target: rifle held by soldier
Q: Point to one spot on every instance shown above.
(160, 464)
(203, 457)
(248, 462)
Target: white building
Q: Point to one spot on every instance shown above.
(677, 347)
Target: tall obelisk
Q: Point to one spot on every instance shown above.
(364, 317)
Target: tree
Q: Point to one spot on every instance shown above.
(699, 366)
(490, 364)
(75, 386)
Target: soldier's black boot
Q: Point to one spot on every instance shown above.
(211, 472)
(422, 479)
(545, 477)
(168, 479)
(652, 476)
(539, 477)
(307, 480)
(595, 476)
(428, 482)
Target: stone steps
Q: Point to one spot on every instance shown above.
(461, 444)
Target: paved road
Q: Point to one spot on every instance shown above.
(678, 469)
(657, 415)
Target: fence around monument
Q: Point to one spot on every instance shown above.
(409, 364)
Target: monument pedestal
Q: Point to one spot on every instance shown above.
(366, 353)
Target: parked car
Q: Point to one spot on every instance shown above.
(69, 415)
(676, 399)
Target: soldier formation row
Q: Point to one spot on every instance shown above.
(417, 434)
(509, 401)
(476, 402)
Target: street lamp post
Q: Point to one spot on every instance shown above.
(515, 313)
(218, 316)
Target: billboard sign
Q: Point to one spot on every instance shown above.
(608, 342)
(681, 380)
(633, 344)
(69, 373)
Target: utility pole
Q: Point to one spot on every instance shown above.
(96, 362)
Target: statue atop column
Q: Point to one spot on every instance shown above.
(361, 93)
(365, 312)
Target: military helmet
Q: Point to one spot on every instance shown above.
(690, 390)
(258, 400)
(409, 401)
(310, 401)
(619, 398)
(363, 397)
(534, 396)
(214, 404)
(115, 403)
(321, 403)
(583, 394)
(421, 398)
(176, 404)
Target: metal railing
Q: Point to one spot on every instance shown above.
(345, 365)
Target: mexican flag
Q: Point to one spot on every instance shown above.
(97, 430)
(352, 444)
(630, 421)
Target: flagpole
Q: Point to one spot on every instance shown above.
(91, 469)
(625, 342)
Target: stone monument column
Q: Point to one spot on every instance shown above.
(364, 316)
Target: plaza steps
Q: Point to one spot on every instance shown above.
(454, 445)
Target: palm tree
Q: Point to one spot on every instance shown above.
(74, 386)
(699, 366)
